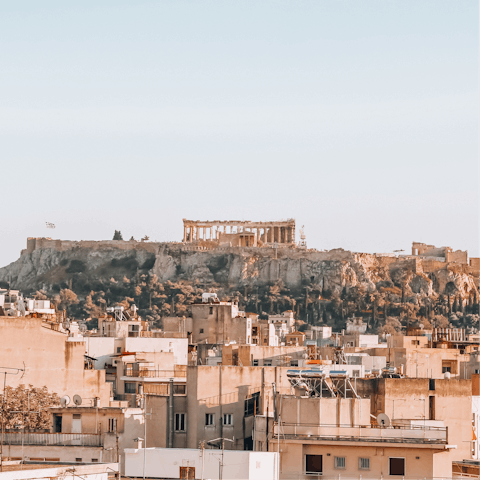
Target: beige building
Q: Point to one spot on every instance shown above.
(220, 323)
(422, 432)
(263, 356)
(46, 357)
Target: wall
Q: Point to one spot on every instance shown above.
(49, 360)
(325, 411)
(62, 245)
(420, 463)
(166, 463)
(409, 399)
(179, 347)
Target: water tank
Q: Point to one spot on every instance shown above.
(446, 375)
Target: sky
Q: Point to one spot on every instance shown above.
(358, 118)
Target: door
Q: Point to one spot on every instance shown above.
(187, 473)
(77, 423)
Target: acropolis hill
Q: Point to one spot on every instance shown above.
(237, 254)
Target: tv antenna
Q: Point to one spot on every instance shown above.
(49, 225)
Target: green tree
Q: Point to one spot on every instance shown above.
(117, 235)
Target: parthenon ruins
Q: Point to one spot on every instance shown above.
(240, 233)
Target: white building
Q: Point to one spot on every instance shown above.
(196, 463)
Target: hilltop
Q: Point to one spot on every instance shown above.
(321, 286)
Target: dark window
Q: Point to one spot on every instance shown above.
(431, 408)
(313, 464)
(446, 369)
(130, 387)
(119, 349)
(179, 389)
(252, 404)
(201, 330)
(77, 459)
(209, 419)
(211, 310)
(397, 466)
(187, 473)
(431, 384)
(180, 422)
(248, 443)
(255, 363)
(94, 460)
(57, 423)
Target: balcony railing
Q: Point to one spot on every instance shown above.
(54, 439)
(152, 373)
(397, 434)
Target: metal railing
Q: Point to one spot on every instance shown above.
(54, 439)
(374, 433)
(341, 476)
(152, 373)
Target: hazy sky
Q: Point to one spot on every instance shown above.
(358, 118)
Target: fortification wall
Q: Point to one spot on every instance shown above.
(63, 245)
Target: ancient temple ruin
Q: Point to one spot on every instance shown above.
(240, 233)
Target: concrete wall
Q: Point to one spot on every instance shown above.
(179, 347)
(49, 360)
(166, 463)
(325, 411)
(420, 463)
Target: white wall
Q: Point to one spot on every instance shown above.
(166, 463)
(179, 347)
(100, 348)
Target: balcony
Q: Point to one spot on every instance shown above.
(54, 439)
(153, 373)
(417, 434)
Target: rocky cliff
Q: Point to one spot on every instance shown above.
(56, 264)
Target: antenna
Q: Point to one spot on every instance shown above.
(383, 420)
(77, 400)
(64, 401)
(49, 225)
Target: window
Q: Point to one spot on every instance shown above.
(94, 460)
(112, 425)
(431, 384)
(180, 422)
(57, 423)
(228, 419)
(255, 363)
(431, 407)
(339, 462)
(252, 404)
(77, 416)
(209, 419)
(201, 330)
(211, 310)
(294, 363)
(397, 466)
(356, 373)
(446, 369)
(364, 463)
(179, 389)
(119, 349)
(77, 459)
(267, 363)
(130, 387)
(313, 464)
(187, 473)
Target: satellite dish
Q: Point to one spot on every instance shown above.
(64, 401)
(77, 399)
(383, 420)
